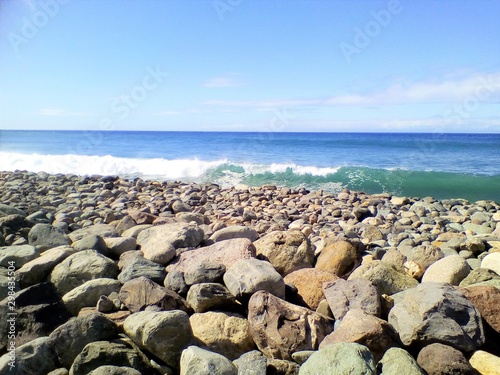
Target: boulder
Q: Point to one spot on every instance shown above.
(281, 366)
(365, 329)
(341, 358)
(139, 266)
(109, 353)
(139, 293)
(451, 269)
(487, 301)
(175, 282)
(11, 210)
(440, 313)
(344, 295)
(135, 230)
(101, 230)
(287, 251)
(225, 252)
(87, 294)
(39, 310)
(308, 282)
(397, 361)
(80, 267)
(340, 257)
(385, 278)
(165, 333)
(118, 245)
(234, 231)
(492, 262)
(69, 339)
(204, 272)
(34, 357)
(209, 296)
(197, 361)
(438, 359)
(91, 242)
(247, 276)
(251, 363)
(480, 276)
(485, 363)
(280, 328)
(158, 243)
(141, 217)
(20, 255)
(45, 236)
(421, 258)
(224, 333)
(38, 269)
(113, 370)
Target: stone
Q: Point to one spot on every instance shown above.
(135, 230)
(7, 282)
(39, 310)
(397, 361)
(474, 245)
(34, 357)
(19, 255)
(434, 312)
(140, 293)
(139, 266)
(365, 329)
(101, 230)
(487, 300)
(197, 361)
(69, 339)
(91, 242)
(344, 295)
(301, 357)
(280, 328)
(385, 278)
(158, 243)
(341, 358)
(209, 296)
(118, 245)
(97, 354)
(81, 267)
(422, 257)
(225, 333)
(114, 370)
(451, 269)
(340, 257)
(281, 366)
(287, 251)
(10, 210)
(234, 231)
(308, 282)
(175, 282)
(37, 270)
(481, 275)
(87, 294)
(438, 359)
(165, 333)
(188, 217)
(492, 262)
(485, 363)
(225, 252)
(45, 236)
(204, 272)
(247, 276)
(251, 363)
(142, 217)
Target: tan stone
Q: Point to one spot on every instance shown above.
(308, 282)
(340, 258)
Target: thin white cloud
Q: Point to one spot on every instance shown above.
(227, 80)
(58, 112)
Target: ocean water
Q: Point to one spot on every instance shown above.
(438, 165)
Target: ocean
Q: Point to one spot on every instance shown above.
(406, 164)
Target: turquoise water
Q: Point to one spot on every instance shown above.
(438, 165)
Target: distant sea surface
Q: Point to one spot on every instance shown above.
(438, 165)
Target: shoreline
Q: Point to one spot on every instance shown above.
(195, 244)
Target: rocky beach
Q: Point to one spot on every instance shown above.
(107, 275)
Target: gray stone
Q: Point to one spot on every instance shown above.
(451, 269)
(139, 266)
(158, 243)
(209, 296)
(135, 230)
(437, 313)
(302, 356)
(69, 339)
(78, 268)
(204, 272)
(251, 363)
(481, 275)
(247, 276)
(175, 281)
(19, 255)
(397, 361)
(343, 358)
(344, 295)
(197, 361)
(10, 210)
(234, 231)
(101, 230)
(87, 294)
(34, 357)
(114, 370)
(118, 245)
(91, 242)
(164, 334)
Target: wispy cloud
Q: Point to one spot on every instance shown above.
(227, 80)
(58, 112)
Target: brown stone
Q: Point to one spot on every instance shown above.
(439, 359)
(142, 217)
(487, 300)
(308, 282)
(340, 258)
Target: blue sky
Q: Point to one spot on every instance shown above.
(250, 65)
